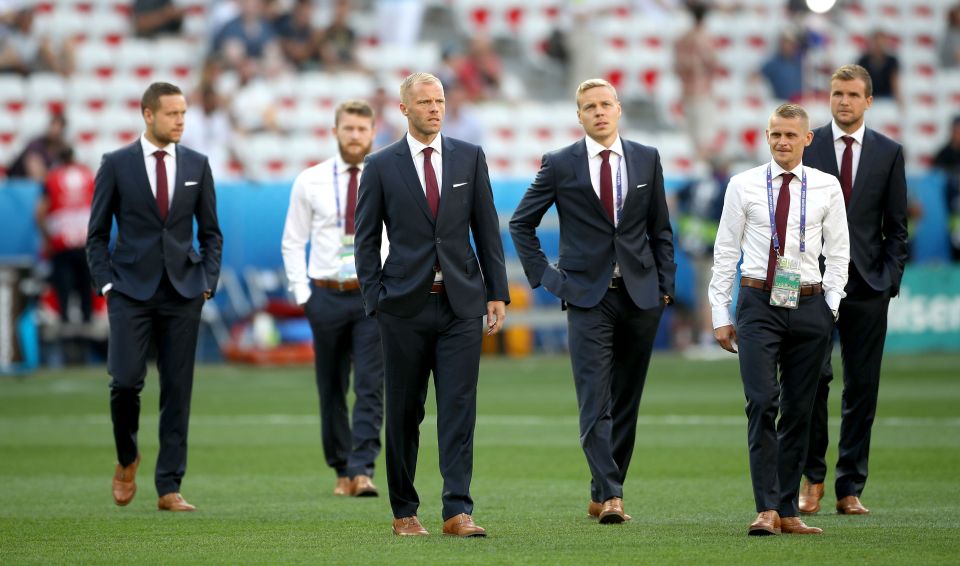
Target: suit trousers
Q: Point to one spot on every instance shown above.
(793, 341)
(343, 333)
(610, 348)
(171, 323)
(862, 327)
(433, 340)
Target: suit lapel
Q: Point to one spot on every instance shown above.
(633, 172)
(581, 167)
(178, 183)
(140, 172)
(408, 172)
(826, 154)
(866, 156)
(446, 183)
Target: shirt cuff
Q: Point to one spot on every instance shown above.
(301, 293)
(106, 288)
(721, 317)
(833, 300)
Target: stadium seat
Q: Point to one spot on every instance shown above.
(46, 91)
(12, 94)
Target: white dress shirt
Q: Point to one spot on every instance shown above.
(839, 145)
(745, 227)
(595, 161)
(436, 159)
(313, 217)
(150, 162)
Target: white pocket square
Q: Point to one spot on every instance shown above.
(190, 183)
(455, 185)
(641, 186)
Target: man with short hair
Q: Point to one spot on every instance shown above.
(322, 212)
(432, 193)
(870, 168)
(786, 309)
(155, 282)
(615, 275)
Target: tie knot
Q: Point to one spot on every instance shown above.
(787, 177)
(159, 154)
(848, 140)
(427, 152)
(353, 170)
(605, 155)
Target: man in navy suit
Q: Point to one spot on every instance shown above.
(871, 172)
(155, 282)
(430, 294)
(615, 274)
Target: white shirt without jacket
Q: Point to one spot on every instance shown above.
(839, 146)
(312, 217)
(745, 227)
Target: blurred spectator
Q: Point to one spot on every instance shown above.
(62, 214)
(460, 121)
(884, 67)
(950, 43)
(301, 43)
(400, 21)
(339, 40)
(948, 159)
(253, 106)
(248, 36)
(386, 130)
(42, 153)
(784, 71)
(696, 65)
(23, 51)
(208, 130)
(152, 18)
(480, 72)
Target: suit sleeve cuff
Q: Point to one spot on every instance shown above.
(721, 317)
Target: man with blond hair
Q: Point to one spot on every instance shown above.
(430, 294)
(786, 309)
(614, 277)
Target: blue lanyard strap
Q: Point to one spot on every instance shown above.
(619, 189)
(803, 211)
(336, 193)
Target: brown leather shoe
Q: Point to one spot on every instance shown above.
(362, 486)
(174, 502)
(794, 526)
(343, 486)
(612, 512)
(594, 509)
(462, 525)
(408, 527)
(767, 523)
(124, 482)
(810, 496)
(850, 505)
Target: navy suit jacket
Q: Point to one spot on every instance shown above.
(590, 244)
(390, 194)
(877, 211)
(146, 245)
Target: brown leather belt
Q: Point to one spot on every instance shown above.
(437, 288)
(346, 285)
(805, 290)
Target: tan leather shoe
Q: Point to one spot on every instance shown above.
(462, 525)
(125, 482)
(594, 509)
(174, 502)
(612, 512)
(408, 527)
(343, 487)
(362, 486)
(794, 526)
(810, 496)
(850, 505)
(767, 523)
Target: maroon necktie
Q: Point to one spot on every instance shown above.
(846, 169)
(163, 201)
(783, 210)
(430, 180)
(350, 226)
(606, 184)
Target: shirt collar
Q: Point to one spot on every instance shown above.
(776, 170)
(416, 146)
(149, 148)
(344, 166)
(838, 133)
(594, 148)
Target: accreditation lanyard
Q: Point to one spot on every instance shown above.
(803, 211)
(619, 189)
(336, 192)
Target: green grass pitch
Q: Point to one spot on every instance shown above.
(257, 474)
